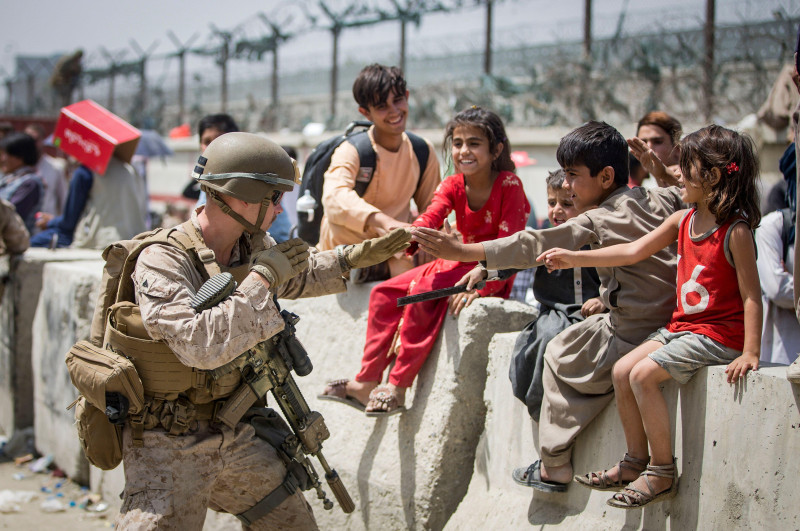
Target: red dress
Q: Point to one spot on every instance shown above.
(504, 213)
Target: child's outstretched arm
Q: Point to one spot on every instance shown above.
(743, 250)
(616, 255)
(445, 244)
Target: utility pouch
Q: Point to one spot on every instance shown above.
(95, 371)
(110, 388)
(100, 439)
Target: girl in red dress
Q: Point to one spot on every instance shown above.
(489, 203)
(717, 318)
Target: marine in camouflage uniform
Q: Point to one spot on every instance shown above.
(171, 480)
(14, 239)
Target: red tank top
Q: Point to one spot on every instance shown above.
(709, 302)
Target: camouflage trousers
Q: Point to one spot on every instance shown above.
(171, 481)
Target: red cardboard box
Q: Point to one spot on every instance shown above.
(91, 134)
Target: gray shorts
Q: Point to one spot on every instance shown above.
(684, 353)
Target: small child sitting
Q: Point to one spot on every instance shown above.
(565, 296)
(718, 312)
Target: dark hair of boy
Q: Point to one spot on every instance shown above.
(595, 145)
(291, 151)
(21, 146)
(223, 122)
(733, 188)
(493, 129)
(375, 82)
(555, 179)
(663, 120)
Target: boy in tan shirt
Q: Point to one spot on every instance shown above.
(382, 98)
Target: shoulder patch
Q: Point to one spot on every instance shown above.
(154, 285)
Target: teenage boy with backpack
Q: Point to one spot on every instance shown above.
(382, 98)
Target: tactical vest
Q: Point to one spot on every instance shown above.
(175, 394)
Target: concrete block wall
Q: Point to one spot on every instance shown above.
(16, 315)
(446, 462)
(738, 451)
(407, 471)
(63, 316)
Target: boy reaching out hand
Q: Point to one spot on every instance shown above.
(577, 371)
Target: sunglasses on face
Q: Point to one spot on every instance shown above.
(277, 195)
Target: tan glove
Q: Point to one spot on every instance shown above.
(282, 262)
(377, 250)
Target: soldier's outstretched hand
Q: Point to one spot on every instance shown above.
(282, 262)
(377, 250)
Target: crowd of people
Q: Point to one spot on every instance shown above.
(635, 285)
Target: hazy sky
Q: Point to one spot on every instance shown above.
(42, 27)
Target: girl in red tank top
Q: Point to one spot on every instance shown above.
(717, 317)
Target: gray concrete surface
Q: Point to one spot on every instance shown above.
(738, 451)
(16, 315)
(63, 316)
(446, 462)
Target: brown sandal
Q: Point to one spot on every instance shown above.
(336, 391)
(601, 480)
(633, 498)
(381, 397)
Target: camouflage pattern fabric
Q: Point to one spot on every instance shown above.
(170, 481)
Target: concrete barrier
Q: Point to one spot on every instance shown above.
(63, 316)
(16, 315)
(447, 461)
(407, 471)
(738, 450)
(404, 471)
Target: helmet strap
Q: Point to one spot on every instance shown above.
(249, 227)
(262, 212)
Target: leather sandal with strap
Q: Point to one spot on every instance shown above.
(633, 498)
(336, 391)
(602, 481)
(382, 403)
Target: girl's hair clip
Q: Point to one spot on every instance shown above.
(732, 167)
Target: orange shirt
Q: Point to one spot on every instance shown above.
(393, 185)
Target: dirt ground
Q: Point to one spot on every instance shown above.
(77, 512)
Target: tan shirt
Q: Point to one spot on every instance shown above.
(165, 280)
(393, 184)
(641, 295)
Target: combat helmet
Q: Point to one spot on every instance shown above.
(248, 167)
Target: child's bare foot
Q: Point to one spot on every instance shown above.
(557, 474)
(350, 392)
(386, 399)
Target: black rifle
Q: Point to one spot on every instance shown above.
(437, 294)
(268, 367)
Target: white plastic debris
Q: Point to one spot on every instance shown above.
(41, 464)
(10, 500)
(53, 506)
